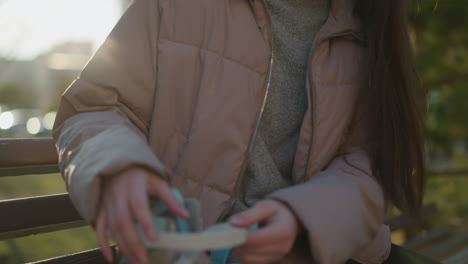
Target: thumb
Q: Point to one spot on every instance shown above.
(158, 188)
(258, 213)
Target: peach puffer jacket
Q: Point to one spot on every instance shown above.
(178, 88)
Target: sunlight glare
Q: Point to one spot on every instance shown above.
(34, 27)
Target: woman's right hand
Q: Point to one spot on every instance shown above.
(125, 202)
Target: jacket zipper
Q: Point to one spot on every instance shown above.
(240, 177)
(260, 115)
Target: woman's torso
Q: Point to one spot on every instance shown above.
(214, 61)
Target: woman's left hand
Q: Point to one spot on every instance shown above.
(278, 228)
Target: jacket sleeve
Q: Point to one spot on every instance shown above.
(104, 116)
(342, 207)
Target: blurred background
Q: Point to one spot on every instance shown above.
(44, 44)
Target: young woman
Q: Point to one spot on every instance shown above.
(300, 115)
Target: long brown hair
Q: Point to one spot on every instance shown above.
(395, 103)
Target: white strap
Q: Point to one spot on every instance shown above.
(215, 237)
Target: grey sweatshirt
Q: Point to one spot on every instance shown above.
(269, 168)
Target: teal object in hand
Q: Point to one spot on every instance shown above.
(182, 241)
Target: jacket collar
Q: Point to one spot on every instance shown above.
(340, 20)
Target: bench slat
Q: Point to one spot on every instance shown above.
(33, 215)
(449, 244)
(460, 258)
(429, 237)
(27, 152)
(19, 171)
(405, 220)
(41, 230)
(93, 256)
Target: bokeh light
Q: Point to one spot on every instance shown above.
(48, 120)
(6, 120)
(33, 126)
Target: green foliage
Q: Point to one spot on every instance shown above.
(441, 43)
(449, 195)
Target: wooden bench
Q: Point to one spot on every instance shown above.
(446, 243)
(36, 215)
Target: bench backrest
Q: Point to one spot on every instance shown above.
(42, 214)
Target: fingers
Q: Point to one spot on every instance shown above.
(125, 248)
(101, 233)
(271, 240)
(257, 214)
(266, 249)
(160, 189)
(275, 237)
(123, 224)
(268, 234)
(139, 205)
(125, 202)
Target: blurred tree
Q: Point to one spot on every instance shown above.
(12, 95)
(441, 42)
